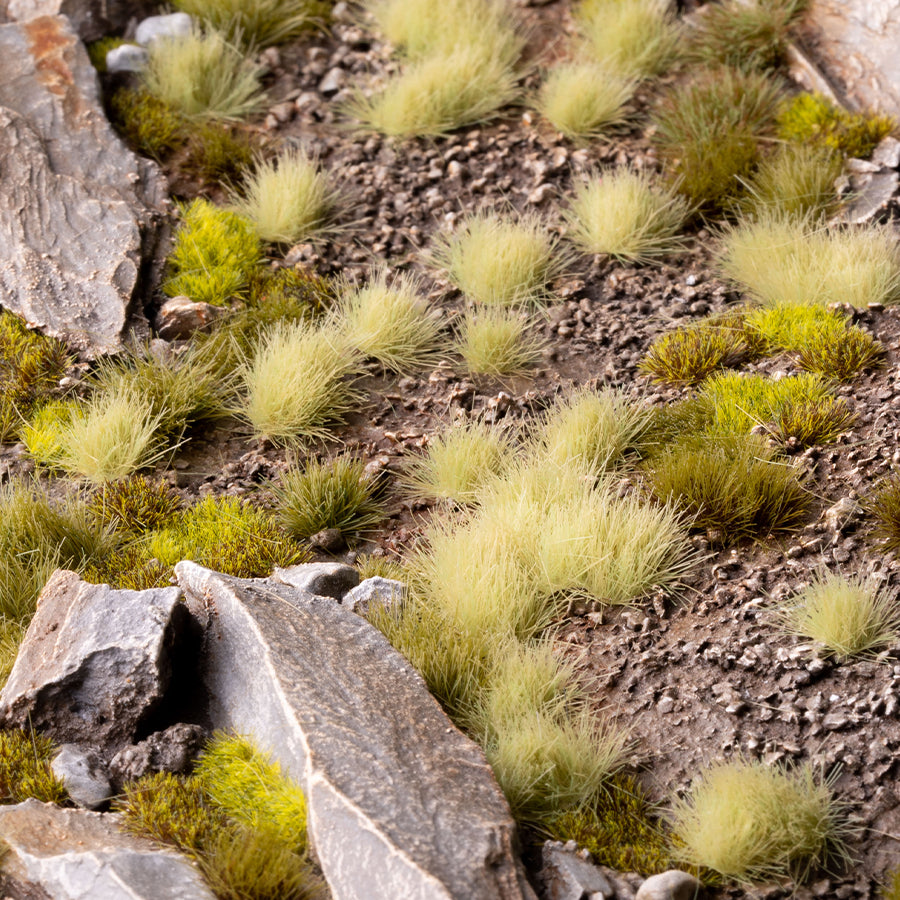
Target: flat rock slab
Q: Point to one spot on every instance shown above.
(401, 803)
(95, 662)
(855, 43)
(80, 215)
(72, 854)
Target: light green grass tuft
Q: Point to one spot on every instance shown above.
(214, 255)
(336, 494)
(203, 76)
(848, 616)
(732, 487)
(296, 383)
(631, 38)
(812, 118)
(746, 35)
(422, 28)
(288, 199)
(258, 23)
(438, 94)
(106, 438)
(753, 823)
(626, 216)
(778, 259)
(499, 260)
(795, 181)
(498, 342)
(582, 100)
(388, 320)
(459, 462)
(591, 430)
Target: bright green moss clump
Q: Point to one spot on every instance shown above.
(25, 769)
(214, 255)
(812, 118)
(30, 368)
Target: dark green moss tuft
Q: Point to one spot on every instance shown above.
(148, 125)
(883, 504)
(220, 152)
(136, 505)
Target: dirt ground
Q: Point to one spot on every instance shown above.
(696, 677)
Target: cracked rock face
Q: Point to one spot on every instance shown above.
(80, 215)
(401, 803)
(92, 19)
(95, 662)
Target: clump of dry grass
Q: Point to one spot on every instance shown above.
(753, 823)
(296, 382)
(500, 260)
(626, 216)
(781, 259)
(288, 199)
(846, 615)
(631, 38)
(388, 320)
(497, 341)
(582, 100)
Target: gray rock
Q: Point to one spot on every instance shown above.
(401, 803)
(376, 591)
(841, 514)
(567, 875)
(126, 58)
(179, 317)
(671, 885)
(173, 750)
(73, 854)
(855, 44)
(95, 662)
(328, 539)
(81, 217)
(887, 153)
(84, 774)
(155, 27)
(328, 579)
(871, 197)
(92, 19)
(333, 81)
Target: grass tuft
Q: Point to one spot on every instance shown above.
(707, 133)
(288, 200)
(149, 124)
(848, 616)
(390, 322)
(258, 23)
(581, 100)
(627, 217)
(883, 504)
(498, 260)
(814, 119)
(214, 254)
(631, 38)
(732, 487)
(203, 76)
(296, 382)
(796, 181)
(496, 342)
(336, 494)
(135, 506)
(779, 259)
(25, 771)
(459, 462)
(593, 431)
(753, 823)
(438, 94)
(752, 36)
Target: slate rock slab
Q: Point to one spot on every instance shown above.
(401, 804)
(855, 43)
(81, 217)
(95, 662)
(72, 854)
(92, 19)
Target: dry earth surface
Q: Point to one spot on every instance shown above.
(696, 677)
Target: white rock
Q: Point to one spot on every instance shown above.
(155, 27)
(126, 58)
(671, 885)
